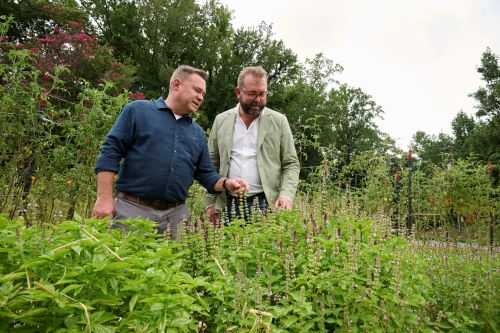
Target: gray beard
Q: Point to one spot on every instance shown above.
(251, 112)
(247, 109)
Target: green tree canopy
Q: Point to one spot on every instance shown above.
(489, 95)
(351, 115)
(431, 149)
(463, 126)
(484, 141)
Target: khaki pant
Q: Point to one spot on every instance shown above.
(168, 219)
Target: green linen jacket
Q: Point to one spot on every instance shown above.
(276, 156)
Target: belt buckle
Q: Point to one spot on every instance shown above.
(157, 204)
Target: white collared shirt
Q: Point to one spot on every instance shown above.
(243, 162)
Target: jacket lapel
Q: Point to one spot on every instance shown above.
(265, 121)
(228, 132)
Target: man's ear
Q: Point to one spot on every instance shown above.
(176, 83)
(237, 90)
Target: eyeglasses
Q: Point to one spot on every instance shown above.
(254, 94)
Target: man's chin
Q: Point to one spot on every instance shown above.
(255, 112)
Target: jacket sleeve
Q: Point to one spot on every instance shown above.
(290, 167)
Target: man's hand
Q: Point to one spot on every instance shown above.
(237, 186)
(283, 203)
(103, 207)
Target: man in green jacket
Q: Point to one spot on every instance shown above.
(255, 143)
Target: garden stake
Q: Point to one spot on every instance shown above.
(396, 212)
(490, 213)
(409, 224)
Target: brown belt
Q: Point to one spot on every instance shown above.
(156, 204)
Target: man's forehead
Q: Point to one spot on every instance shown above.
(196, 79)
(250, 79)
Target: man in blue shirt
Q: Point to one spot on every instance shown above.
(157, 150)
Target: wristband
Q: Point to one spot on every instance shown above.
(224, 185)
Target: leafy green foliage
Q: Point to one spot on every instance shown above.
(49, 152)
(484, 142)
(489, 96)
(431, 149)
(39, 17)
(282, 272)
(65, 41)
(322, 267)
(478, 138)
(352, 119)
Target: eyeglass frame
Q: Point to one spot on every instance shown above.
(254, 94)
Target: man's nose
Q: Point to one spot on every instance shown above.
(258, 97)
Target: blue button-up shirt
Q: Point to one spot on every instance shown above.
(155, 155)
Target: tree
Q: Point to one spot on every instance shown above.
(463, 126)
(63, 42)
(488, 96)
(249, 47)
(38, 18)
(431, 149)
(159, 35)
(118, 24)
(304, 103)
(351, 116)
(485, 139)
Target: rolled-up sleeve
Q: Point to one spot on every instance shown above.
(205, 173)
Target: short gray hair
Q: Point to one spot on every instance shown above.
(184, 70)
(257, 72)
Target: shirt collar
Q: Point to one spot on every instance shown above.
(161, 105)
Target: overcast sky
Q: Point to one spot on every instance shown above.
(417, 59)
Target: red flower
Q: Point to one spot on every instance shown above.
(134, 96)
